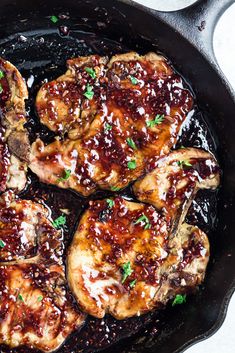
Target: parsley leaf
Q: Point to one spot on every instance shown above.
(2, 244)
(110, 203)
(20, 297)
(133, 283)
(90, 72)
(40, 298)
(134, 80)
(131, 164)
(1, 74)
(1, 89)
(145, 220)
(179, 299)
(156, 121)
(131, 143)
(67, 173)
(185, 163)
(59, 222)
(54, 19)
(89, 94)
(115, 188)
(127, 271)
(108, 127)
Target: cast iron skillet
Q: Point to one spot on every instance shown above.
(31, 41)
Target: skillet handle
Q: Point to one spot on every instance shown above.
(197, 23)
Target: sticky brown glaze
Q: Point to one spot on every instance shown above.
(35, 309)
(129, 94)
(177, 177)
(25, 231)
(110, 237)
(14, 144)
(60, 103)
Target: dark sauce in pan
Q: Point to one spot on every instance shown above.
(41, 57)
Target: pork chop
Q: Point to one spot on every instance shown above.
(35, 308)
(137, 105)
(172, 185)
(14, 143)
(123, 261)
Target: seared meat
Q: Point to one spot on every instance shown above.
(171, 186)
(35, 309)
(14, 144)
(123, 261)
(134, 108)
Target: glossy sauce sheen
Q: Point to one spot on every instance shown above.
(45, 59)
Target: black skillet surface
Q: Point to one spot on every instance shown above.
(39, 49)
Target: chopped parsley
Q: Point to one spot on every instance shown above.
(89, 94)
(133, 283)
(131, 164)
(67, 173)
(179, 299)
(115, 188)
(2, 244)
(40, 298)
(54, 19)
(90, 72)
(59, 222)
(110, 203)
(131, 143)
(20, 297)
(185, 163)
(108, 127)
(156, 121)
(134, 80)
(145, 220)
(1, 89)
(1, 74)
(127, 271)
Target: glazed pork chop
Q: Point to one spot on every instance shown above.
(14, 143)
(122, 260)
(127, 258)
(136, 106)
(35, 309)
(172, 185)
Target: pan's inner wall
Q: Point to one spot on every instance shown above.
(39, 49)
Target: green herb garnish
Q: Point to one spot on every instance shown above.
(127, 271)
(59, 222)
(115, 188)
(131, 143)
(156, 121)
(89, 94)
(108, 127)
(90, 72)
(40, 298)
(133, 283)
(54, 19)
(185, 163)
(1, 89)
(145, 220)
(110, 203)
(2, 244)
(67, 173)
(179, 299)
(131, 164)
(20, 298)
(134, 80)
(1, 74)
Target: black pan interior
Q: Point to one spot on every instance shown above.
(39, 48)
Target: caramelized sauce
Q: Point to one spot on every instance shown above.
(45, 60)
